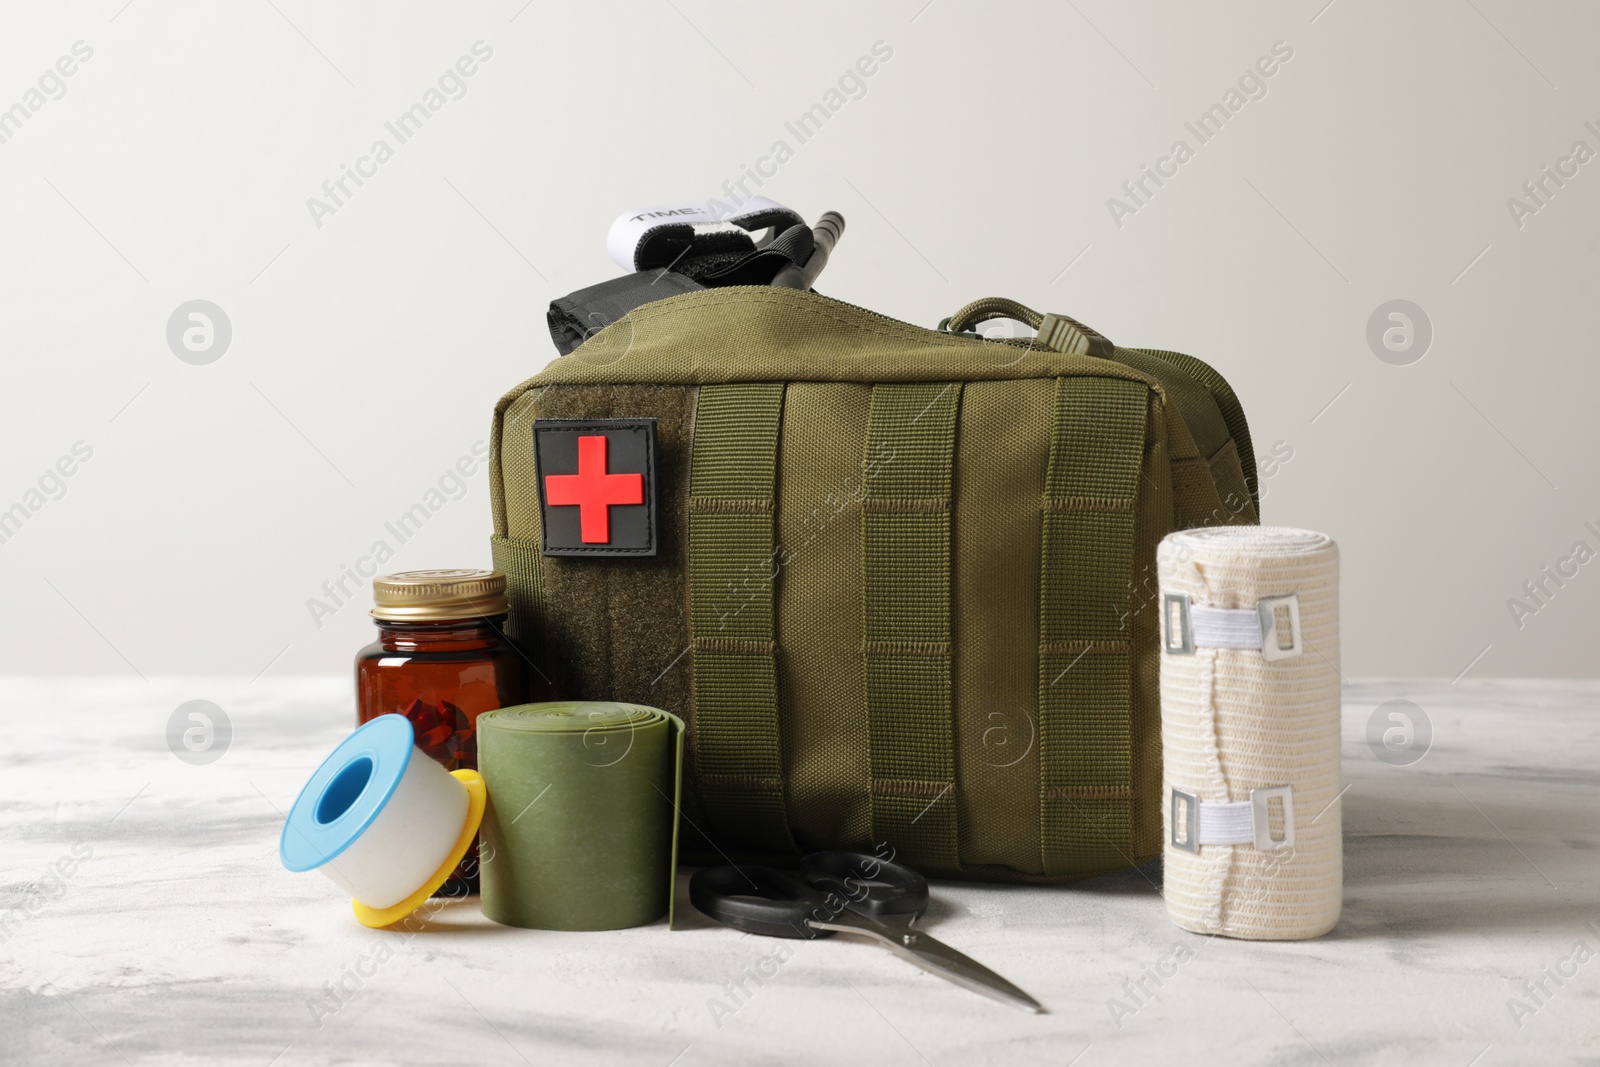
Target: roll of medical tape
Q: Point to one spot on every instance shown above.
(383, 821)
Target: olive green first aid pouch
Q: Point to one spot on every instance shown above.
(899, 583)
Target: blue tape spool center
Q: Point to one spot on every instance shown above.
(344, 790)
(346, 793)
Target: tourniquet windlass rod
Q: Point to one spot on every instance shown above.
(826, 233)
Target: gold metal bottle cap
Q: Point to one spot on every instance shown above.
(439, 596)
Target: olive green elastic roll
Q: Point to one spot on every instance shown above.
(581, 830)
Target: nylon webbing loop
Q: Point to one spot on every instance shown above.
(905, 606)
(735, 731)
(1057, 332)
(1085, 658)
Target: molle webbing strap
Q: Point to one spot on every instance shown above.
(520, 561)
(1085, 656)
(905, 603)
(735, 730)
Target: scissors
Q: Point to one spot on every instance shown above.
(844, 892)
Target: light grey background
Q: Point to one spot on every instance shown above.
(367, 352)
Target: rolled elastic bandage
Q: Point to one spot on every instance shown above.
(1250, 731)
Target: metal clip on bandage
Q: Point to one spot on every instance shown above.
(1232, 822)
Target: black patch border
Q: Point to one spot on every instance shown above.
(646, 423)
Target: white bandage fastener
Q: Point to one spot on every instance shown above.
(1272, 626)
(1197, 822)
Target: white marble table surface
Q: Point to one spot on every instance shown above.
(144, 918)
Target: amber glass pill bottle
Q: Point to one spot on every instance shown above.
(441, 659)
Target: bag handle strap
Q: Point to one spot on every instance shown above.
(1060, 333)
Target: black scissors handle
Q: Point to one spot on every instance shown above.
(868, 884)
(758, 900)
(761, 900)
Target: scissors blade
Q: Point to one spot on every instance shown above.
(936, 957)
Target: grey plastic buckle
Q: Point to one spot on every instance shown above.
(1260, 817)
(1281, 637)
(1190, 820)
(1176, 629)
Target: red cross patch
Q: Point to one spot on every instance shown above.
(597, 494)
